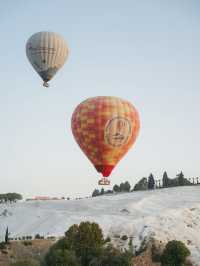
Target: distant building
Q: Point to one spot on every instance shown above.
(45, 198)
(41, 198)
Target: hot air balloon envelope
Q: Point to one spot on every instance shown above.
(47, 53)
(105, 128)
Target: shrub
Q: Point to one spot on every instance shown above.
(116, 188)
(143, 246)
(60, 257)
(111, 256)
(124, 237)
(156, 251)
(63, 243)
(2, 245)
(95, 193)
(130, 242)
(37, 236)
(108, 239)
(27, 243)
(175, 253)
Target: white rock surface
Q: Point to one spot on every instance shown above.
(165, 214)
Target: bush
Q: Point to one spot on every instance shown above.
(124, 237)
(108, 239)
(2, 245)
(127, 186)
(143, 246)
(175, 253)
(95, 193)
(116, 188)
(111, 256)
(38, 236)
(60, 257)
(27, 243)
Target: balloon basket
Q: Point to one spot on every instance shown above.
(104, 182)
(45, 84)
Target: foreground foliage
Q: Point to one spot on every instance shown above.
(175, 253)
(84, 245)
(61, 257)
(111, 256)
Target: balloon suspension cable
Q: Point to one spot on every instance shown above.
(45, 84)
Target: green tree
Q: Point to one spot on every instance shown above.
(86, 240)
(165, 180)
(95, 193)
(127, 186)
(121, 187)
(141, 185)
(61, 257)
(82, 241)
(151, 182)
(6, 235)
(84, 245)
(111, 256)
(10, 197)
(102, 191)
(180, 179)
(116, 188)
(175, 253)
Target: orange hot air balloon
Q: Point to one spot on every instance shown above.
(105, 128)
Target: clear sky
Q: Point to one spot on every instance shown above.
(147, 52)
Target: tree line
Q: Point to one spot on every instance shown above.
(10, 197)
(151, 183)
(148, 184)
(123, 187)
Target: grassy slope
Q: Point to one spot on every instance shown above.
(17, 250)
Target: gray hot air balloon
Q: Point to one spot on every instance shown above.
(47, 53)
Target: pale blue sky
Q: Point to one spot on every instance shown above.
(144, 51)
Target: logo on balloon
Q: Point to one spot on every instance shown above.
(117, 131)
(40, 49)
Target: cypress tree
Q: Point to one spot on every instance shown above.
(151, 182)
(6, 235)
(180, 179)
(102, 191)
(165, 180)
